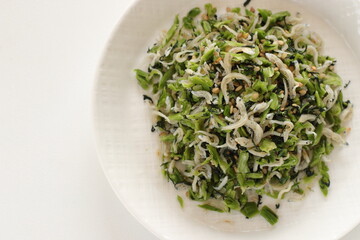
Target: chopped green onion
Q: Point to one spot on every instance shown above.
(267, 145)
(211, 208)
(172, 30)
(210, 10)
(181, 201)
(269, 215)
(250, 210)
(142, 78)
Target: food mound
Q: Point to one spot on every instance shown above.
(246, 106)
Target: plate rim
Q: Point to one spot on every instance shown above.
(96, 134)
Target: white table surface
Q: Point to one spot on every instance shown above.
(51, 184)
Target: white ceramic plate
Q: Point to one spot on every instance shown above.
(128, 150)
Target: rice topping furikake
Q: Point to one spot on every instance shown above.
(247, 106)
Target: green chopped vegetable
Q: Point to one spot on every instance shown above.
(275, 101)
(267, 145)
(194, 12)
(232, 203)
(268, 72)
(243, 162)
(188, 20)
(181, 201)
(142, 78)
(332, 79)
(324, 181)
(264, 14)
(211, 208)
(206, 26)
(210, 10)
(255, 175)
(269, 215)
(236, 10)
(279, 16)
(172, 30)
(244, 109)
(205, 82)
(250, 210)
(167, 138)
(207, 55)
(167, 75)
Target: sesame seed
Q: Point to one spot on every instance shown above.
(238, 88)
(255, 95)
(302, 92)
(215, 90)
(280, 42)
